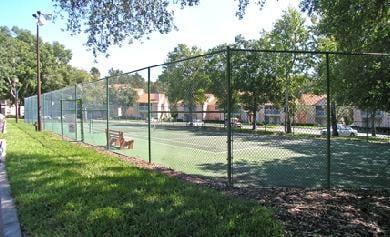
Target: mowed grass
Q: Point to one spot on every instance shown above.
(63, 189)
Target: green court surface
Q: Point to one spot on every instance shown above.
(258, 160)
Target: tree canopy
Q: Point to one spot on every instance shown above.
(114, 22)
(185, 81)
(18, 60)
(108, 22)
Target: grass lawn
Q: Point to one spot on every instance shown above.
(63, 189)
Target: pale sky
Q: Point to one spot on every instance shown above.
(210, 23)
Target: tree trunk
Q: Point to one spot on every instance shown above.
(19, 113)
(191, 112)
(249, 117)
(288, 123)
(287, 110)
(16, 110)
(373, 130)
(333, 119)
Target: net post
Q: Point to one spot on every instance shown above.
(327, 123)
(107, 114)
(149, 136)
(229, 111)
(62, 123)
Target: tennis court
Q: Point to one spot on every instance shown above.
(258, 160)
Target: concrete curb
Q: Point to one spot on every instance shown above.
(9, 222)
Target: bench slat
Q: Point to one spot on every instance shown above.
(117, 138)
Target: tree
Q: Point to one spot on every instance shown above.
(363, 81)
(216, 69)
(95, 73)
(255, 76)
(133, 80)
(122, 88)
(185, 80)
(356, 25)
(122, 96)
(110, 22)
(290, 33)
(113, 22)
(18, 59)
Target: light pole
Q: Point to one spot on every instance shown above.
(41, 20)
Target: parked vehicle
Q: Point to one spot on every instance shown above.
(235, 122)
(195, 123)
(59, 117)
(152, 120)
(342, 130)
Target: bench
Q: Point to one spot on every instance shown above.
(116, 138)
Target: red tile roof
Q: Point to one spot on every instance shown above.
(311, 99)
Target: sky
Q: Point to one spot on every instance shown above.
(210, 23)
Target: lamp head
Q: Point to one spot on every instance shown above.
(42, 18)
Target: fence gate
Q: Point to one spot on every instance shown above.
(72, 119)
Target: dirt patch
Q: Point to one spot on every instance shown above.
(303, 212)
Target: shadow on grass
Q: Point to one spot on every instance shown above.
(65, 190)
(287, 161)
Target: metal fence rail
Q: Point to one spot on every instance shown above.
(242, 119)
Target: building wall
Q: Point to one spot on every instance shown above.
(360, 119)
(10, 110)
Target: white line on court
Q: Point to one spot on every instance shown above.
(192, 148)
(165, 139)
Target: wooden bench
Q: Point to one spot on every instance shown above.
(116, 138)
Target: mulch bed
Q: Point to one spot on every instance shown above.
(304, 212)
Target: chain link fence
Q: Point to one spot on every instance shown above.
(257, 118)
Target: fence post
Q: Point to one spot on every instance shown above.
(62, 126)
(107, 113)
(229, 111)
(42, 112)
(75, 110)
(367, 124)
(327, 121)
(51, 110)
(81, 120)
(149, 138)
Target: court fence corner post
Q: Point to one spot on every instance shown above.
(107, 114)
(328, 99)
(229, 111)
(149, 115)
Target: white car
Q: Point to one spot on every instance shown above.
(235, 122)
(342, 130)
(152, 120)
(195, 123)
